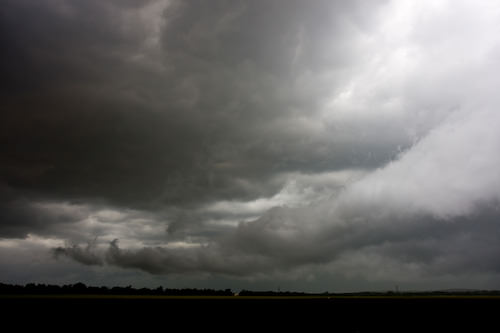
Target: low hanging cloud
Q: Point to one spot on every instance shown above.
(84, 256)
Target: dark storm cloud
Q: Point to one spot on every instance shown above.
(92, 112)
(186, 128)
(82, 119)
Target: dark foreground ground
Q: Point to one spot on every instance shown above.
(334, 314)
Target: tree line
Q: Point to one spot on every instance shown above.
(82, 289)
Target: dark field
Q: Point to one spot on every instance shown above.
(233, 313)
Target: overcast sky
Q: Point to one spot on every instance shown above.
(307, 145)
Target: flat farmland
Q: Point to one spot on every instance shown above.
(344, 313)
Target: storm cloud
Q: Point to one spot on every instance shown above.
(254, 140)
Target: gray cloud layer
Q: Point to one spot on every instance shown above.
(252, 138)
